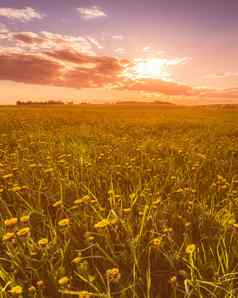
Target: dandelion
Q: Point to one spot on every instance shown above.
(83, 200)
(76, 260)
(190, 249)
(17, 290)
(8, 236)
(40, 283)
(57, 203)
(43, 242)
(113, 275)
(156, 242)
(23, 232)
(11, 222)
(63, 281)
(173, 281)
(84, 294)
(24, 218)
(31, 289)
(8, 176)
(64, 222)
(102, 224)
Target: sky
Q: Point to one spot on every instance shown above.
(182, 51)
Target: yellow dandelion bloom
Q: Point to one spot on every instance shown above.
(31, 289)
(76, 260)
(102, 223)
(8, 236)
(40, 283)
(43, 242)
(156, 242)
(8, 176)
(17, 290)
(11, 221)
(190, 249)
(113, 275)
(64, 222)
(63, 281)
(84, 199)
(84, 294)
(57, 203)
(25, 218)
(23, 232)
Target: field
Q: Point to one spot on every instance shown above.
(118, 201)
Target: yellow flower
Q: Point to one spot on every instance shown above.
(8, 236)
(64, 222)
(43, 242)
(190, 249)
(23, 232)
(31, 289)
(84, 199)
(113, 275)
(11, 221)
(63, 281)
(17, 290)
(127, 210)
(40, 283)
(156, 242)
(8, 176)
(77, 260)
(24, 218)
(57, 203)
(102, 223)
(84, 294)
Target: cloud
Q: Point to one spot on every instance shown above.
(66, 68)
(91, 12)
(118, 37)
(222, 75)
(44, 40)
(3, 29)
(23, 14)
(159, 86)
(120, 51)
(95, 42)
(24, 68)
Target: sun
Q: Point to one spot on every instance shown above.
(153, 68)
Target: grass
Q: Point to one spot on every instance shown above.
(118, 201)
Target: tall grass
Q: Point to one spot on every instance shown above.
(107, 201)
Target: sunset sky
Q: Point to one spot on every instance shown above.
(183, 51)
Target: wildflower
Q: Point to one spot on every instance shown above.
(64, 222)
(24, 218)
(17, 290)
(190, 249)
(50, 170)
(102, 224)
(31, 289)
(23, 232)
(11, 221)
(63, 281)
(84, 199)
(57, 203)
(8, 176)
(77, 260)
(156, 242)
(84, 294)
(8, 236)
(40, 283)
(127, 210)
(173, 281)
(16, 188)
(113, 275)
(43, 242)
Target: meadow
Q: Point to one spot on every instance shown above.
(118, 201)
